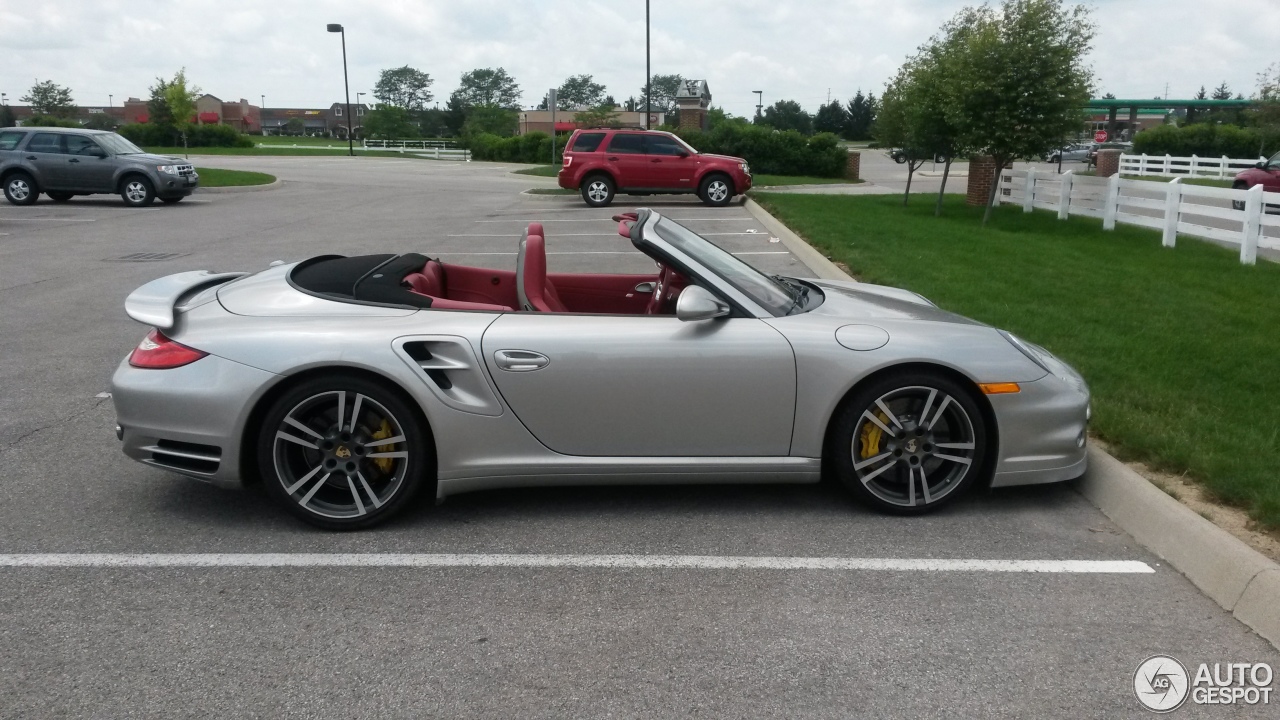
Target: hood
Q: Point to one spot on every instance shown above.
(863, 301)
(150, 159)
(726, 158)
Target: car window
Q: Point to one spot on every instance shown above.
(45, 143)
(587, 142)
(9, 140)
(1274, 162)
(663, 145)
(766, 291)
(82, 145)
(117, 145)
(627, 143)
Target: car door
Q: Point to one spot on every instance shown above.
(1271, 182)
(646, 386)
(625, 157)
(44, 155)
(88, 167)
(670, 164)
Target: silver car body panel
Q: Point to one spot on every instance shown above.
(157, 302)
(620, 399)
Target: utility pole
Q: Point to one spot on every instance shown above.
(759, 102)
(346, 86)
(648, 78)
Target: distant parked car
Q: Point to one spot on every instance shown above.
(1075, 152)
(605, 161)
(900, 155)
(65, 162)
(1266, 174)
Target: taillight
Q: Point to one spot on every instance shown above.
(568, 159)
(157, 352)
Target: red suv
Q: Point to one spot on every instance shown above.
(605, 161)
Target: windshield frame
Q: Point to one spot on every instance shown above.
(106, 140)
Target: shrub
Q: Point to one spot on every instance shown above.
(534, 147)
(197, 135)
(1207, 140)
(51, 121)
(772, 152)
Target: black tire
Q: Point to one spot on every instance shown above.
(60, 196)
(334, 480)
(716, 190)
(137, 191)
(1238, 204)
(890, 484)
(598, 190)
(899, 158)
(21, 189)
(172, 200)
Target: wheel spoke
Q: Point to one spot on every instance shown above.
(282, 435)
(928, 403)
(342, 407)
(397, 454)
(955, 446)
(911, 486)
(314, 489)
(355, 412)
(942, 407)
(954, 458)
(924, 487)
(355, 496)
(385, 441)
(294, 487)
(867, 414)
(868, 478)
(304, 428)
(365, 484)
(871, 461)
(889, 413)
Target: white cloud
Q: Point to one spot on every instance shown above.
(794, 50)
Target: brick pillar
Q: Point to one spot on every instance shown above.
(1108, 163)
(982, 172)
(693, 119)
(853, 167)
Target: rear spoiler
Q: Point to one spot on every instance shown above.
(153, 303)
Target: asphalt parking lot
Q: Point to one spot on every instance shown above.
(375, 640)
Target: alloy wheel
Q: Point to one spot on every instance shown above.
(717, 191)
(913, 446)
(598, 191)
(19, 190)
(340, 455)
(135, 191)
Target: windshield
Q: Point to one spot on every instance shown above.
(117, 145)
(775, 294)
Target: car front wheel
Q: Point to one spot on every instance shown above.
(716, 191)
(137, 191)
(909, 443)
(343, 452)
(597, 191)
(20, 189)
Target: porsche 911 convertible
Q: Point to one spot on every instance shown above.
(350, 385)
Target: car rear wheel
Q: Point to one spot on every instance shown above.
(344, 453)
(171, 200)
(716, 191)
(137, 191)
(1238, 204)
(597, 191)
(20, 189)
(59, 196)
(909, 443)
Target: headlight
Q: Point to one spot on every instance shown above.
(168, 169)
(744, 167)
(1046, 361)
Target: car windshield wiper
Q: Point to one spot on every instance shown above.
(796, 291)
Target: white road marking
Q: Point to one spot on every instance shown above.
(521, 220)
(612, 562)
(597, 252)
(560, 234)
(45, 219)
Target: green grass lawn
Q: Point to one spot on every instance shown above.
(551, 191)
(1180, 346)
(1208, 182)
(539, 170)
(214, 177)
(761, 180)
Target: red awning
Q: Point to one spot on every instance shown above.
(209, 117)
(566, 126)
(143, 118)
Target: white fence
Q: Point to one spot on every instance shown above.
(1223, 168)
(434, 149)
(1223, 214)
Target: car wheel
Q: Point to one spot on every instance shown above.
(137, 191)
(172, 200)
(343, 452)
(60, 196)
(597, 190)
(899, 158)
(909, 443)
(20, 189)
(716, 190)
(1238, 204)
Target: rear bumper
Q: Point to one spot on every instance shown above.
(188, 420)
(567, 179)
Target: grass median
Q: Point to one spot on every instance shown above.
(215, 177)
(1179, 346)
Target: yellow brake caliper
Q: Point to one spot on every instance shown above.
(384, 432)
(869, 438)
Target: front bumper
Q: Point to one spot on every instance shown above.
(177, 185)
(1043, 432)
(188, 420)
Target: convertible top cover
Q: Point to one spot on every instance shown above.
(364, 278)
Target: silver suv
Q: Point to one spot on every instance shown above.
(65, 162)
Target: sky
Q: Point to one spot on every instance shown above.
(790, 49)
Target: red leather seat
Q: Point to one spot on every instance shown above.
(430, 281)
(535, 291)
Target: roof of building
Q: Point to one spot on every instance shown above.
(693, 89)
(1108, 103)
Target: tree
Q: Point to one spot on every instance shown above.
(294, 126)
(404, 87)
(49, 98)
(599, 116)
(861, 116)
(831, 118)
(101, 121)
(1200, 95)
(488, 86)
(663, 92)
(6, 117)
(1222, 92)
(896, 127)
(1110, 96)
(579, 91)
(389, 122)
(157, 107)
(181, 101)
(1026, 79)
(1267, 115)
(788, 115)
(490, 119)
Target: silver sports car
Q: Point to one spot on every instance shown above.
(350, 385)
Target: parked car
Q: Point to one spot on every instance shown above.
(1266, 174)
(606, 161)
(348, 385)
(900, 156)
(1075, 152)
(65, 162)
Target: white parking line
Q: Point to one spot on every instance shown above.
(520, 219)
(46, 219)
(597, 252)
(560, 234)
(610, 562)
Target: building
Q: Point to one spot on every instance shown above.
(566, 120)
(83, 114)
(338, 124)
(694, 101)
(241, 115)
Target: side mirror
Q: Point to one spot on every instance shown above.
(682, 154)
(97, 152)
(695, 304)
(1260, 165)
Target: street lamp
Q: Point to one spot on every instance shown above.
(111, 101)
(648, 78)
(759, 101)
(335, 27)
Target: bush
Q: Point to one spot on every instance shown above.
(51, 121)
(1208, 140)
(197, 135)
(534, 147)
(771, 152)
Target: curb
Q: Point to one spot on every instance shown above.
(816, 261)
(546, 196)
(241, 188)
(1243, 581)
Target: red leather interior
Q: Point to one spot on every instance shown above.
(430, 281)
(481, 285)
(610, 294)
(540, 292)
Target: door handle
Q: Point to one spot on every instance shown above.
(74, 160)
(656, 160)
(645, 287)
(613, 159)
(520, 360)
(32, 157)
